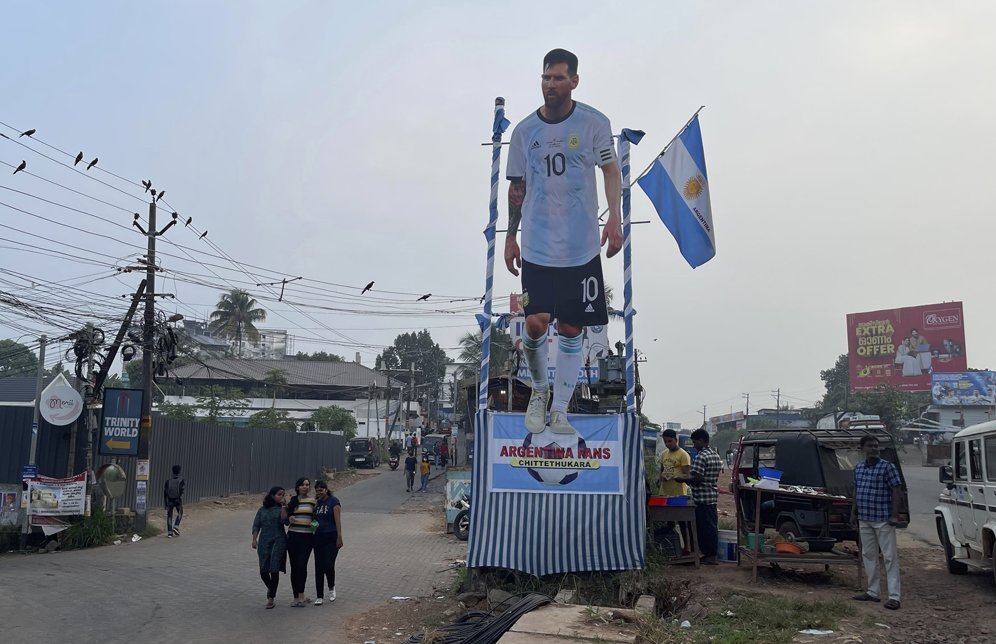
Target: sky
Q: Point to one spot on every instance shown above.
(848, 147)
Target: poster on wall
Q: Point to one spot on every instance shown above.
(122, 418)
(903, 347)
(964, 389)
(586, 461)
(57, 497)
(10, 505)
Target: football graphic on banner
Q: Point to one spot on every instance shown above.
(555, 448)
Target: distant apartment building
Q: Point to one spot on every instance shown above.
(273, 344)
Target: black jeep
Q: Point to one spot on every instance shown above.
(821, 459)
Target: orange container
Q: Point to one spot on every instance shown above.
(788, 549)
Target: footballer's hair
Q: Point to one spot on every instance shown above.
(557, 56)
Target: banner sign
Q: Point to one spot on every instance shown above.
(120, 423)
(588, 461)
(60, 404)
(594, 345)
(966, 389)
(902, 347)
(57, 497)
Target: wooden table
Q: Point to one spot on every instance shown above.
(678, 514)
(754, 555)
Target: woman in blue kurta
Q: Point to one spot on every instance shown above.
(270, 541)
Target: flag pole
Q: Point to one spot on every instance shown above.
(500, 123)
(629, 184)
(623, 152)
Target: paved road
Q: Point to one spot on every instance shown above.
(205, 586)
(923, 490)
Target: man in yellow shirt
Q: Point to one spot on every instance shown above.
(674, 462)
(425, 468)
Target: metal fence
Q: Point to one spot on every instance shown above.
(217, 460)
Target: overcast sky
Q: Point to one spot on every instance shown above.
(848, 147)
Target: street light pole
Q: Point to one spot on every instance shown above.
(26, 528)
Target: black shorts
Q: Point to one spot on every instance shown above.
(571, 294)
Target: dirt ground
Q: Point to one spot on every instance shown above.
(937, 607)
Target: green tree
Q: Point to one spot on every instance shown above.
(219, 401)
(180, 411)
(276, 378)
(428, 357)
(319, 356)
(113, 381)
(837, 380)
(646, 423)
(334, 419)
(16, 359)
(272, 419)
(56, 369)
(501, 352)
(235, 316)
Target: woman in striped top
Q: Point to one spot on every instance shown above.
(300, 538)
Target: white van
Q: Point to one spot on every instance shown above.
(966, 515)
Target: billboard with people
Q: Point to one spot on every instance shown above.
(903, 347)
(967, 389)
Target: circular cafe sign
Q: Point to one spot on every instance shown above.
(60, 404)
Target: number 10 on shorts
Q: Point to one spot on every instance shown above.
(589, 290)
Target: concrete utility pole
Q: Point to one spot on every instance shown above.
(26, 528)
(147, 347)
(703, 415)
(778, 406)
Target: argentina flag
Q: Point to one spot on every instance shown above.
(678, 186)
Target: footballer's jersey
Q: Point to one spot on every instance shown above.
(557, 160)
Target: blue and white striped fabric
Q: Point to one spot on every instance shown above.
(544, 534)
(678, 186)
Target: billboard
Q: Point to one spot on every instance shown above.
(119, 428)
(963, 389)
(903, 347)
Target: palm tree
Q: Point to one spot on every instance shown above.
(276, 378)
(501, 350)
(235, 316)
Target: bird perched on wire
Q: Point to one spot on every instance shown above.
(367, 288)
(79, 157)
(203, 235)
(92, 163)
(145, 184)
(189, 219)
(28, 132)
(21, 166)
(161, 193)
(424, 297)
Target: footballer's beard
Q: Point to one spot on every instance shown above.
(555, 102)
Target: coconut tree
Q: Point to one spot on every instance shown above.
(235, 316)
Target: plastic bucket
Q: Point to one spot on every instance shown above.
(727, 550)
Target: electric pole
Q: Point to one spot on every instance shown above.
(778, 406)
(747, 408)
(26, 528)
(703, 416)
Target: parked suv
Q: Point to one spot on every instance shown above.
(822, 459)
(966, 514)
(363, 452)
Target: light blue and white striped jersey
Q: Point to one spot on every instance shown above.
(557, 160)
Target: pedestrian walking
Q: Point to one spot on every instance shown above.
(425, 469)
(300, 538)
(410, 464)
(173, 499)
(444, 453)
(270, 541)
(702, 481)
(877, 494)
(328, 540)
(553, 194)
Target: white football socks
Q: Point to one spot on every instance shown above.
(536, 358)
(569, 360)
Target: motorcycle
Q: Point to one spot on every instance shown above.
(461, 523)
(393, 461)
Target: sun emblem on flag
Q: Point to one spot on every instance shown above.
(694, 187)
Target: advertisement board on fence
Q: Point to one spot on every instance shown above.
(121, 420)
(594, 345)
(588, 461)
(964, 389)
(57, 497)
(903, 347)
